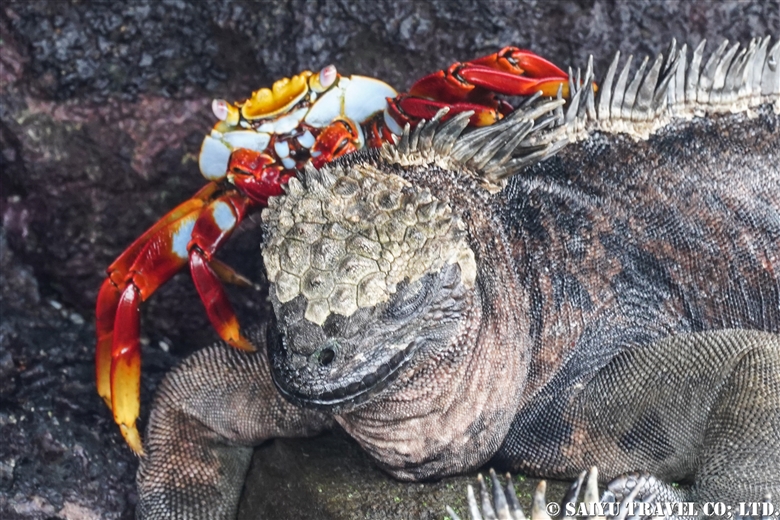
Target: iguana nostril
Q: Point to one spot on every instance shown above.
(326, 356)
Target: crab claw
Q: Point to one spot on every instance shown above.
(256, 174)
(339, 138)
(126, 367)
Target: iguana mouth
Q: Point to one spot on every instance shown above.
(312, 387)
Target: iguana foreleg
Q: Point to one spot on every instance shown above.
(701, 409)
(737, 451)
(209, 413)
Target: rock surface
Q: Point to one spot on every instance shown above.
(103, 109)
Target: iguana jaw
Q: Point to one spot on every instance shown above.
(341, 396)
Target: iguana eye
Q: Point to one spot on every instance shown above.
(409, 299)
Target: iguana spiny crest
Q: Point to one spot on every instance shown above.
(730, 80)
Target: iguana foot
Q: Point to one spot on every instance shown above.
(504, 505)
(645, 486)
(209, 412)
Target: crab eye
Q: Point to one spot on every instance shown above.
(224, 111)
(219, 107)
(328, 76)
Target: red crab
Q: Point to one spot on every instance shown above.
(253, 150)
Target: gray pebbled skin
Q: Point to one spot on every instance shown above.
(625, 314)
(208, 414)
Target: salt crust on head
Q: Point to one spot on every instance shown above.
(345, 237)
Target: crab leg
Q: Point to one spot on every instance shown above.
(228, 275)
(107, 304)
(195, 237)
(511, 71)
(118, 277)
(411, 109)
(191, 233)
(118, 270)
(161, 257)
(519, 61)
(215, 225)
(126, 367)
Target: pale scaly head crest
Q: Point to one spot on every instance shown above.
(345, 237)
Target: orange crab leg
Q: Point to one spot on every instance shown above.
(214, 298)
(466, 81)
(161, 257)
(118, 271)
(511, 85)
(194, 238)
(215, 225)
(126, 367)
(519, 61)
(151, 261)
(511, 71)
(405, 108)
(107, 303)
(228, 275)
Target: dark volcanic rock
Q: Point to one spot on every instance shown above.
(103, 109)
(59, 456)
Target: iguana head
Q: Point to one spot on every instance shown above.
(368, 269)
(365, 270)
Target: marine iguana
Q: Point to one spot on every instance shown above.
(594, 284)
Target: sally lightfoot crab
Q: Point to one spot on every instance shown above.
(254, 149)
